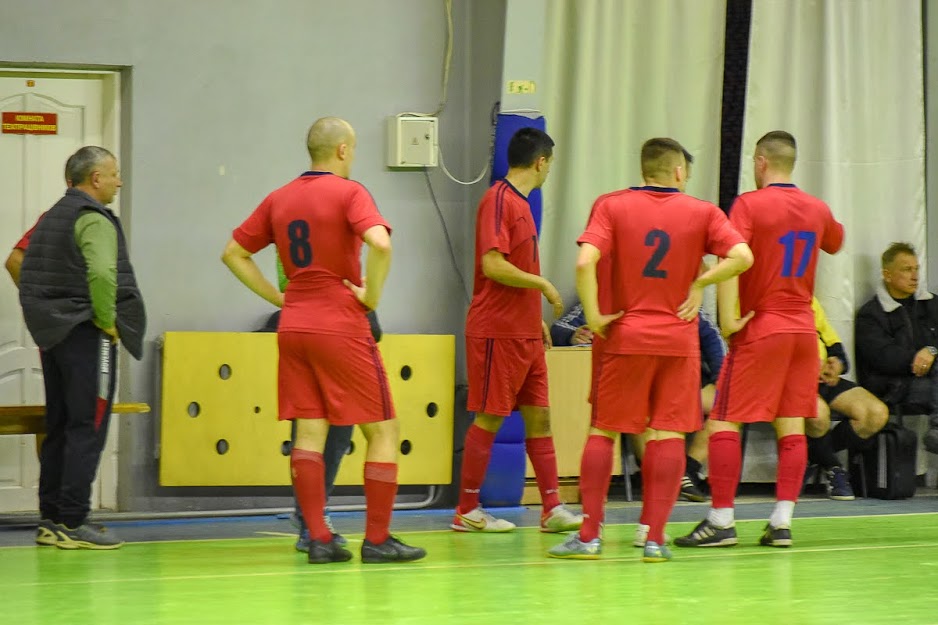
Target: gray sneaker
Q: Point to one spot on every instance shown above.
(45, 533)
(575, 549)
(86, 536)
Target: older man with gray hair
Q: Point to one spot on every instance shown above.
(79, 297)
(897, 338)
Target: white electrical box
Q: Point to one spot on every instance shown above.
(412, 141)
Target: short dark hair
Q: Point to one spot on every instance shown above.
(527, 145)
(660, 155)
(779, 148)
(81, 164)
(896, 248)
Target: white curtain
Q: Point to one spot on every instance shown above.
(618, 72)
(845, 77)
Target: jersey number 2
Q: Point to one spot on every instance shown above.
(662, 241)
(788, 263)
(300, 251)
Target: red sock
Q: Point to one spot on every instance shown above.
(475, 461)
(380, 490)
(544, 460)
(595, 473)
(309, 485)
(667, 468)
(647, 482)
(792, 462)
(726, 461)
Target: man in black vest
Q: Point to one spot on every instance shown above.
(79, 298)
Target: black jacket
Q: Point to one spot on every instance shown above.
(884, 342)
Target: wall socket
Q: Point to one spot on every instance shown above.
(412, 141)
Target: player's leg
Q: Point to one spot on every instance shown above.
(798, 402)
(357, 392)
(692, 488)
(675, 409)
(747, 391)
(533, 403)
(494, 375)
(300, 399)
(821, 452)
(595, 474)
(865, 415)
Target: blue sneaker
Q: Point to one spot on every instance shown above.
(838, 485)
(655, 552)
(575, 549)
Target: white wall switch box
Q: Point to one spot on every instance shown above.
(412, 141)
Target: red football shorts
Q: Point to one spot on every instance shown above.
(339, 378)
(775, 376)
(504, 374)
(638, 391)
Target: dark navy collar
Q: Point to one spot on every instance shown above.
(316, 173)
(512, 187)
(783, 185)
(655, 189)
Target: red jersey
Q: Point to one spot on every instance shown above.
(785, 227)
(655, 239)
(504, 222)
(316, 221)
(23, 243)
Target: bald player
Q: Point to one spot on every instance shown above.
(770, 374)
(330, 370)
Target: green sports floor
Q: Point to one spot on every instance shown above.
(866, 561)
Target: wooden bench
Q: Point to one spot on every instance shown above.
(29, 419)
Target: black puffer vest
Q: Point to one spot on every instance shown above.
(54, 289)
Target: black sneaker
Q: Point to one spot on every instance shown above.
(838, 485)
(690, 491)
(708, 535)
(775, 536)
(86, 536)
(324, 553)
(391, 550)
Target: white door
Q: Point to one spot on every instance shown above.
(32, 180)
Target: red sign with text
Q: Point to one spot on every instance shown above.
(30, 123)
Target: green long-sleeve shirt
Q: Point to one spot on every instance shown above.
(96, 237)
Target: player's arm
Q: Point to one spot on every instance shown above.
(587, 288)
(737, 260)
(496, 267)
(14, 264)
(377, 265)
(242, 265)
(728, 308)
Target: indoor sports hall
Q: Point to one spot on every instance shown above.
(199, 110)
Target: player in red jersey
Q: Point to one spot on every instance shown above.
(771, 371)
(330, 370)
(506, 338)
(649, 369)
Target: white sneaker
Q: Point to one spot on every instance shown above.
(641, 536)
(479, 520)
(559, 519)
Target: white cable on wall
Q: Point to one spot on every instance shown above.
(478, 179)
(447, 61)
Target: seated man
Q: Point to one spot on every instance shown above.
(571, 330)
(865, 415)
(896, 338)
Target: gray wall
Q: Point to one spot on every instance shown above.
(236, 83)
